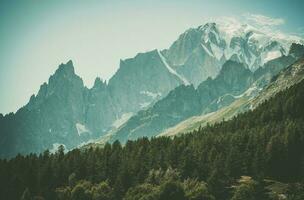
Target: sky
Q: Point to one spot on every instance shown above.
(36, 36)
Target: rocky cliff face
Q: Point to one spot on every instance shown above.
(100, 110)
(55, 115)
(142, 80)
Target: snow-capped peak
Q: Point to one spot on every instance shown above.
(252, 45)
(171, 70)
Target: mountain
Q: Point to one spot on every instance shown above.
(66, 112)
(234, 82)
(54, 115)
(142, 80)
(289, 76)
(191, 58)
(180, 103)
(100, 111)
(184, 102)
(200, 52)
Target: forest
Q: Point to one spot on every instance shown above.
(256, 155)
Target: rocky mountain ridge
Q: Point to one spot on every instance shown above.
(288, 76)
(233, 82)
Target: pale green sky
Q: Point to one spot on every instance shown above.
(36, 36)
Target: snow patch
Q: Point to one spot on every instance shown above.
(144, 105)
(272, 55)
(207, 50)
(210, 28)
(81, 129)
(172, 71)
(123, 118)
(257, 38)
(253, 60)
(217, 51)
(219, 100)
(55, 147)
(248, 93)
(151, 94)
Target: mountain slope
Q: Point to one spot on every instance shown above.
(55, 115)
(184, 102)
(142, 80)
(66, 112)
(218, 42)
(234, 82)
(199, 66)
(285, 79)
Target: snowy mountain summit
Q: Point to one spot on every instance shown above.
(229, 39)
(246, 43)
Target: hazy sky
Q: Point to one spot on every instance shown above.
(36, 36)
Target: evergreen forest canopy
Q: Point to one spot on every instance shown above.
(256, 155)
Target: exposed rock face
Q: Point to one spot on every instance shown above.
(142, 80)
(186, 101)
(296, 50)
(50, 117)
(190, 56)
(234, 81)
(199, 66)
(100, 109)
(180, 103)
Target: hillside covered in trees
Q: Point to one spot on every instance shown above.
(256, 155)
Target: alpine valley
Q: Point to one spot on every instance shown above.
(218, 115)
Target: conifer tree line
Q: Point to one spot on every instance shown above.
(233, 160)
